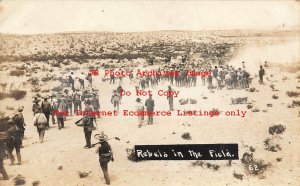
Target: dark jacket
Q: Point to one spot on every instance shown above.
(149, 105)
(104, 150)
(261, 72)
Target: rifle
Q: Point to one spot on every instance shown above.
(78, 121)
(93, 145)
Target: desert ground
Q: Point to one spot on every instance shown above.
(48, 57)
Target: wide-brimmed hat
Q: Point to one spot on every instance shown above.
(138, 99)
(46, 97)
(20, 109)
(101, 137)
(36, 100)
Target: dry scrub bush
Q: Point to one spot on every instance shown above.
(17, 73)
(18, 94)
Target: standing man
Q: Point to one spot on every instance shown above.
(61, 113)
(77, 101)
(69, 103)
(18, 119)
(105, 155)
(115, 100)
(140, 110)
(112, 78)
(35, 105)
(13, 142)
(46, 108)
(170, 98)
(95, 102)
(40, 121)
(88, 124)
(72, 80)
(150, 108)
(119, 91)
(261, 75)
(209, 79)
(81, 82)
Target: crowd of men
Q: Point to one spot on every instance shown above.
(188, 73)
(65, 103)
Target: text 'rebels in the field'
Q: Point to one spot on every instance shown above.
(187, 152)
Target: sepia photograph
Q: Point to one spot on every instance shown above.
(149, 92)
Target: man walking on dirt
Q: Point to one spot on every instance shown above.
(115, 100)
(18, 119)
(261, 75)
(150, 108)
(105, 155)
(14, 142)
(46, 108)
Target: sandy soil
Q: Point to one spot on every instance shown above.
(65, 147)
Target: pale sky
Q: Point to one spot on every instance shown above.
(52, 16)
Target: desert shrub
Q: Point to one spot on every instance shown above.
(238, 176)
(186, 136)
(131, 155)
(45, 79)
(57, 88)
(3, 95)
(72, 68)
(33, 81)
(296, 103)
(249, 106)
(21, 67)
(208, 165)
(3, 85)
(270, 145)
(18, 94)
(292, 94)
(17, 73)
(278, 129)
(249, 162)
(55, 64)
(19, 180)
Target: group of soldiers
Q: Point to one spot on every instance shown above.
(64, 103)
(223, 75)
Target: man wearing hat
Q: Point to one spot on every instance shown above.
(105, 155)
(261, 73)
(40, 121)
(77, 101)
(88, 124)
(35, 105)
(115, 100)
(150, 108)
(69, 103)
(19, 122)
(46, 108)
(96, 102)
(140, 110)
